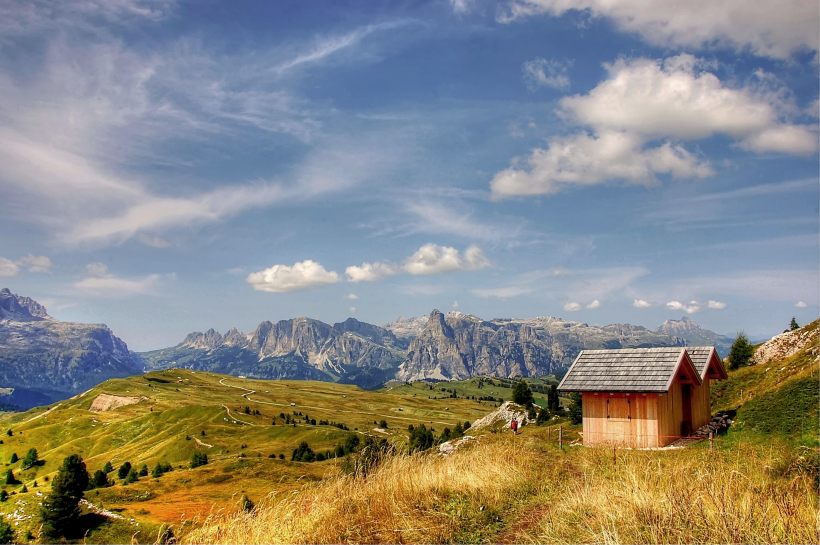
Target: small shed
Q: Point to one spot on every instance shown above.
(643, 397)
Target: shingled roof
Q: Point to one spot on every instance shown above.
(702, 356)
(628, 370)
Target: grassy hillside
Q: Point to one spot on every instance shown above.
(523, 489)
(175, 407)
(778, 398)
(476, 387)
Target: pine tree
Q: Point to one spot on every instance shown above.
(14, 458)
(122, 472)
(132, 477)
(522, 394)
(31, 459)
(553, 403)
(10, 479)
(108, 468)
(61, 509)
(576, 408)
(157, 472)
(99, 480)
(793, 325)
(198, 459)
(741, 352)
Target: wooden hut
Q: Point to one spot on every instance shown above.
(643, 397)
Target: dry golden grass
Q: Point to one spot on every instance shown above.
(521, 489)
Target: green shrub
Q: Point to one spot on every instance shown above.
(14, 458)
(144, 470)
(132, 477)
(522, 394)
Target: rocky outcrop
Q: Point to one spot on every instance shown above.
(503, 416)
(456, 346)
(786, 345)
(45, 360)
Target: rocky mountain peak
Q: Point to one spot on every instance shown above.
(21, 309)
(677, 327)
(407, 329)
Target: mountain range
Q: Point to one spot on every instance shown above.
(43, 359)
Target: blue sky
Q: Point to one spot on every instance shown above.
(168, 167)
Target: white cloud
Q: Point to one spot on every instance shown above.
(8, 267)
(572, 307)
(435, 259)
(117, 288)
(371, 272)
(455, 305)
(594, 304)
(645, 100)
(546, 73)
(692, 308)
(800, 304)
(716, 305)
(282, 278)
(328, 46)
(769, 29)
(678, 98)
(352, 296)
(96, 269)
(581, 159)
(640, 303)
(35, 264)
(154, 242)
(352, 310)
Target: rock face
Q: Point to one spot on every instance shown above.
(300, 348)
(786, 345)
(407, 328)
(694, 335)
(456, 346)
(45, 360)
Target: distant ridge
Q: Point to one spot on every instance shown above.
(694, 335)
(43, 360)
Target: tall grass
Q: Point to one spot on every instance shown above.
(521, 489)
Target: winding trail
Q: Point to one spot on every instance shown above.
(391, 416)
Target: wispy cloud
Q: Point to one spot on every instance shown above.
(328, 46)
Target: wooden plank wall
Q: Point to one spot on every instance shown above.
(641, 430)
(670, 414)
(701, 405)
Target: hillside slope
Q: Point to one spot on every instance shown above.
(167, 416)
(43, 359)
(780, 393)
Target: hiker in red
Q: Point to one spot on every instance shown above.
(514, 426)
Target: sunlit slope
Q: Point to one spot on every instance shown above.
(779, 397)
(175, 407)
